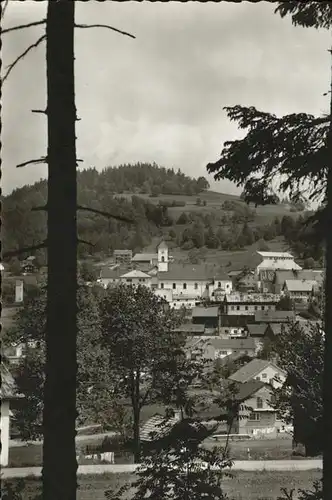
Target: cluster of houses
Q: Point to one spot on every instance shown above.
(229, 315)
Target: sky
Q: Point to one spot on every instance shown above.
(160, 98)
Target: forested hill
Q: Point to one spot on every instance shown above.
(22, 227)
(144, 178)
(161, 203)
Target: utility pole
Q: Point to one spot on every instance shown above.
(59, 454)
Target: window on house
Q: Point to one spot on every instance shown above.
(219, 284)
(256, 308)
(263, 308)
(162, 259)
(174, 286)
(206, 287)
(129, 280)
(259, 403)
(143, 279)
(161, 285)
(264, 375)
(226, 330)
(237, 308)
(254, 416)
(196, 286)
(184, 286)
(246, 308)
(224, 353)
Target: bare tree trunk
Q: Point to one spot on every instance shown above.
(327, 455)
(59, 463)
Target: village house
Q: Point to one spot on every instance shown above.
(257, 417)
(249, 303)
(304, 274)
(123, 257)
(207, 316)
(270, 263)
(260, 369)
(299, 290)
(233, 325)
(215, 347)
(274, 316)
(247, 282)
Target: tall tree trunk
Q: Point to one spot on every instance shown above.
(327, 455)
(59, 463)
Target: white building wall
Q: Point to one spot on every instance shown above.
(5, 420)
(193, 289)
(268, 374)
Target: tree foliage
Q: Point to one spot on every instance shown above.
(138, 330)
(94, 389)
(292, 147)
(300, 352)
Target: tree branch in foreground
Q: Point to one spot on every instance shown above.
(43, 159)
(106, 214)
(43, 208)
(22, 26)
(104, 26)
(40, 111)
(14, 253)
(85, 242)
(13, 64)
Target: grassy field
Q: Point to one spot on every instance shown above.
(242, 486)
(213, 200)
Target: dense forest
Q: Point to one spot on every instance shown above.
(233, 227)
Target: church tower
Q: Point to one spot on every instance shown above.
(162, 257)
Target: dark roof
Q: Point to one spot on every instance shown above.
(250, 370)
(190, 328)
(241, 343)
(205, 312)
(256, 330)
(276, 328)
(244, 390)
(234, 319)
(274, 316)
(304, 274)
(194, 272)
(144, 257)
(108, 273)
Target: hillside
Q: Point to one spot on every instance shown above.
(204, 221)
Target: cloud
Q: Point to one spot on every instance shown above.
(160, 97)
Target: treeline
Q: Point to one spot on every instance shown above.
(143, 178)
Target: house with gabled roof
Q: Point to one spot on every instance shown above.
(300, 290)
(262, 370)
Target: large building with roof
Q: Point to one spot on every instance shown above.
(179, 284)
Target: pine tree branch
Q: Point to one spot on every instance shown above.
(85, 242)
(106, 214)
(22, 26)
(13, 64)
(43, 159)
(14, 253)
(41, 111)
(5, 5)
(43, 208)
(104, 26)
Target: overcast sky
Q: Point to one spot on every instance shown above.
(160, 97)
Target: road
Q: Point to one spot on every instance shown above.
(243, 465)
